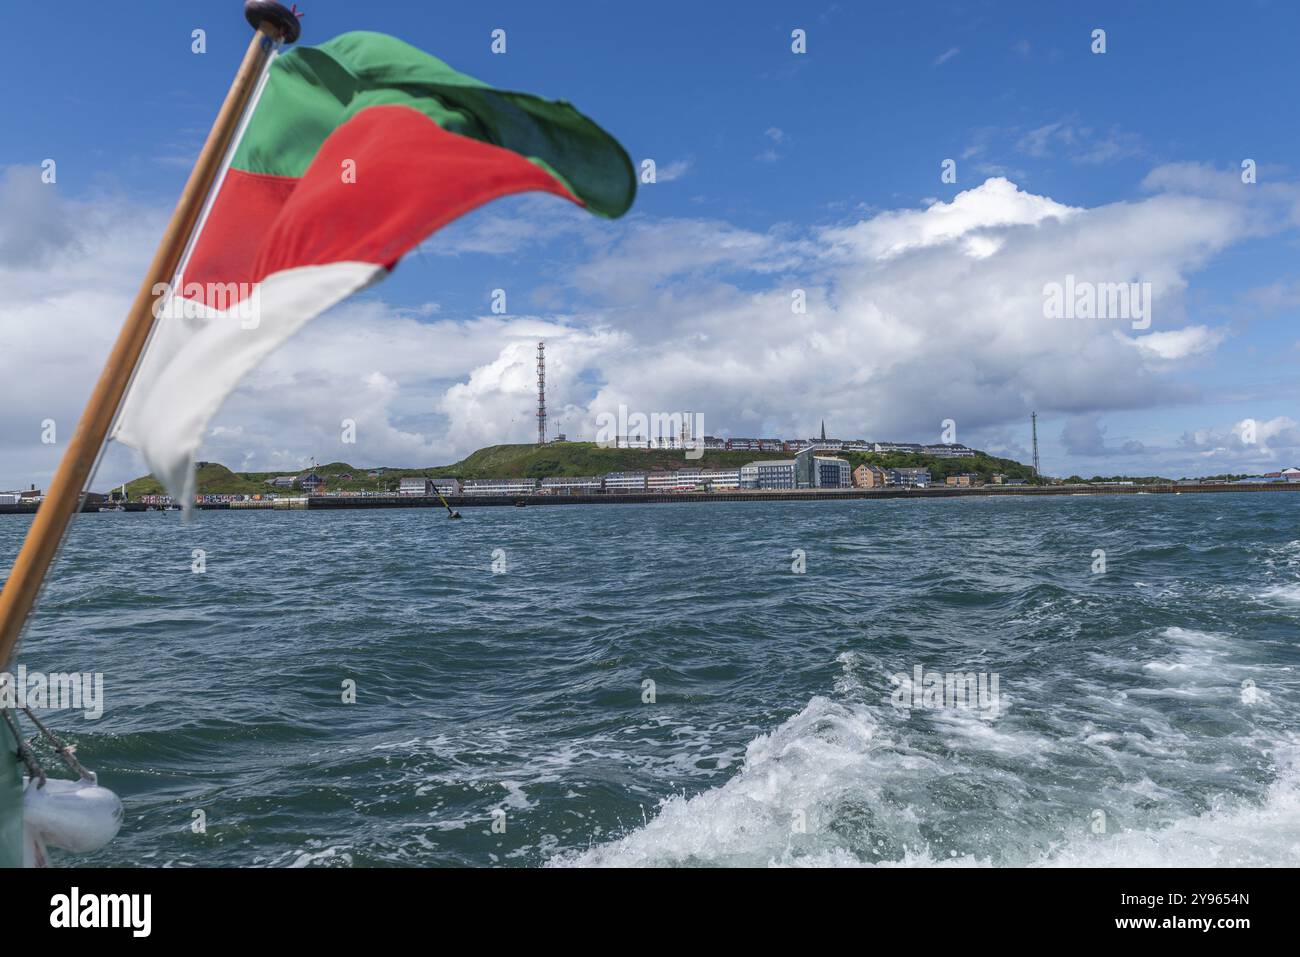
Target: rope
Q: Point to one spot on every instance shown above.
(34, 769)
(62, 750)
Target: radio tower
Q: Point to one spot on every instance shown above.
(541, 393)
(1033, 420)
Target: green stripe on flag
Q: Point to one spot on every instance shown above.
(313, 90)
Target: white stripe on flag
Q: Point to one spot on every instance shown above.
(193, 363)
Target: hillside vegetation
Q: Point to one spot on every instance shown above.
(561, 459)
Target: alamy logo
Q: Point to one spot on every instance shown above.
(103, 910)
(937, 690)
(56, 691)
(657, 430)
(199, 300)
(1098, 300)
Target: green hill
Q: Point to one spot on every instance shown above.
(583, 458)
(562, 459)
(982, 464)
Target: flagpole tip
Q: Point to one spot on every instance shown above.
(282, 18)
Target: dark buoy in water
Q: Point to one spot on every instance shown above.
(446, 505)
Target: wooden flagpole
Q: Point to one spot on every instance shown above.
(274, 24)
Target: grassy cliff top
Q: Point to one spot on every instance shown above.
(560, 459)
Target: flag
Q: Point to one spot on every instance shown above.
(354, 153)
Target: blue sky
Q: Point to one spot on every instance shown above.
(773, 151)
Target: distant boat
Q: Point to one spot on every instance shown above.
(520, 503)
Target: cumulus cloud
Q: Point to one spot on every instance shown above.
(912, 316)
(1272, 442)
(973, 214)
(884, 327)
(68, 271)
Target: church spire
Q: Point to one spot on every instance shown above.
(823, 430)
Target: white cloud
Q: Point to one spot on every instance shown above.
(672, 171)
(1177, 344)
(945, 56)
(1266, 445)
(995, 204)
(913, 316)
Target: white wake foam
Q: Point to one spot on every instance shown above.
(836, 786)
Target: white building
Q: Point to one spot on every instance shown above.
(911, 447)
(416, 485)
(719, 479)
(571, 485)
(625, 482)
(949, 450)
(667, 482)
(511, 486)
(447, 486)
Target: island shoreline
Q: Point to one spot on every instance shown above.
(335, 502)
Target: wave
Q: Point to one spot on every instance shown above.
(836, 786)
(1284, 593)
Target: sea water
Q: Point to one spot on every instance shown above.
(690, 684)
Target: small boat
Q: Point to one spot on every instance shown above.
(520, 503)
(111, 508)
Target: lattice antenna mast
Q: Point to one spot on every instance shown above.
(541, 393)
(1033, 420)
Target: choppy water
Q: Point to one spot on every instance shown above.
(772, 737)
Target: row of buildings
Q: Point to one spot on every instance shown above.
(810, 468)
(27, 496)
(712, 443)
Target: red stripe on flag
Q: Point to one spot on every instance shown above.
(411, 178)
(246, 205)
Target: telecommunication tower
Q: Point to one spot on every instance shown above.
(1033, 421)
(541, 393)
